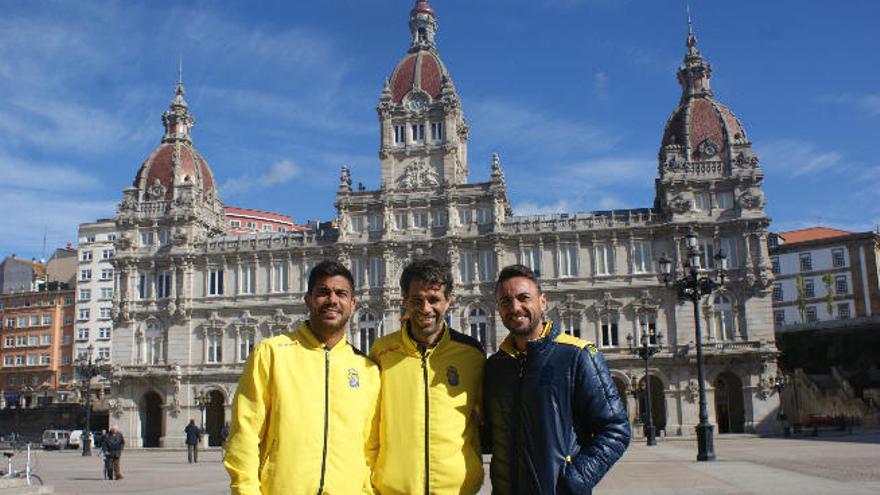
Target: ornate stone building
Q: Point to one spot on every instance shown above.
(192, 302)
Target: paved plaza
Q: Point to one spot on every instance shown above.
(829, 464)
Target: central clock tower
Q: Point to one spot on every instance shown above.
(422, 127)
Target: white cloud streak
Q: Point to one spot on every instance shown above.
(279, 173)
(797, 158)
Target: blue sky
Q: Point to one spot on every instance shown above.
(573, 94)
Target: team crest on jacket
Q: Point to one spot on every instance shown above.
(452, 375)
(353, 380)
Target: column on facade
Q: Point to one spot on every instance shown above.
(631, 252)
(557, 257)
(237, 349)
(749, 263)
(204, 344)
(256, 269)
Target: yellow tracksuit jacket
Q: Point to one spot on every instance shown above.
(304, 419)
(429, 428)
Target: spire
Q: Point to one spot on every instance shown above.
(694, 73)
(422, 25)
(177, 120)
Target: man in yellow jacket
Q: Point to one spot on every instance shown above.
(304, 416)
(432, 378)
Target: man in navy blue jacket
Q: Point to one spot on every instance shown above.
(554, 421)
(193, 436)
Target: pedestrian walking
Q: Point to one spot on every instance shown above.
(193, 435)
(113, 444)
(224, 434)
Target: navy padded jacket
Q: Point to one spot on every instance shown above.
(554, 419)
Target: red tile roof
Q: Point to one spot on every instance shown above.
(811, 234)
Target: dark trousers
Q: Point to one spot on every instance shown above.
(113, 471)
(192, 453)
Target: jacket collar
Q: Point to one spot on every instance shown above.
(412, 347)
(308, 339)
(549, 334)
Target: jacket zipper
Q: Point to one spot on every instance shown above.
(326, 416)
(427, 423)
(521, 358)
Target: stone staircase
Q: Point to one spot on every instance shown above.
(829, 394)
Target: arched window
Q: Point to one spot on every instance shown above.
(367, 325)
(648, 326)
(478, 325)
(725, 328)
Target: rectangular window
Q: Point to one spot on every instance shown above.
(85, 275)
(34, 321)
(702, 202)
(647, 327)
(33, 340)
(400, 221)
(85, 256)
(486, 265)
(729, 248)
(377, 271)
(9, 341)
(245, 346)
(267, 228)
(466, 266)
(107, 254)
(609, 331)
(107, 274)
(64, 378)
(252, 225)
(66, 339)
(248, 279)
(809, 288)
(19, 360)
(375, 223)
(106, 313)
(104, 332)
(843, 311)
(436, 131)
(811, 314)
(357, 271)
(779, 318)
(84, 314)
(111, 237)
(725, 200)
(65, 358)
(466, 216)
(22, 322)
(774, 264)
(10, 322)
(68, 319)
(642, 262)
(531, 257)
(215, 348)
(103, 352)
(484, 216)
(47, 320)
(44, 359)
(21, 341)
(438, 219)
(68, 300)
(163, 285)
(602, 253)
(568, 260)
(164, 237)
(838, 259)
(142, 284)
(85, 294)
(147, 238)
(82, 333)
(46, 339)
(420, 219)
(399, 135)
(357, 223)
(106, 292)
(279, 277)
(8, 361)
(418, 133)
(840, 285)
(215, 282)
(32, 360)
(707, 254)
(777, 292)
(806, 262)
(235, 224)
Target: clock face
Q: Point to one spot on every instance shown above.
(418, 102)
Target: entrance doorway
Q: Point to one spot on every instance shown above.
(658, 403)
(215, 416)
(729, 412)
(151, 419)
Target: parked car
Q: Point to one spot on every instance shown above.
(75, 439)
(56, 439)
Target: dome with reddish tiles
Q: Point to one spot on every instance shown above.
(421, 70)
(701, 124)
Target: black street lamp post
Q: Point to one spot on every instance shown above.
(692, 287)
(88, 369)
(203, 400)
(645, 351)
(778, 383)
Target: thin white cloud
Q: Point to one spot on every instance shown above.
(21, 174)
(866, 103)
(797, 158)
(279, 173)
(532, 208)
(600, 86)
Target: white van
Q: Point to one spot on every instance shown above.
(75, 439)
(56, 439)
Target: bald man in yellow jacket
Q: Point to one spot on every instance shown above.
(304, 415)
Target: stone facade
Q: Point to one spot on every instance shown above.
(192, 302)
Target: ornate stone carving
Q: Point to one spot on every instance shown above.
(751, 200)
(418, 174)
(156, 191)
(345, 180)
(708, 148)
(746, 162)
(679, 204)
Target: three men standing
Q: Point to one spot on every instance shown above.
(431, 394)
(303, 418)
(554, 418)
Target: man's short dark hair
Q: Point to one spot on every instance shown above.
(329, 268)
(429, 271)
(512, 271)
